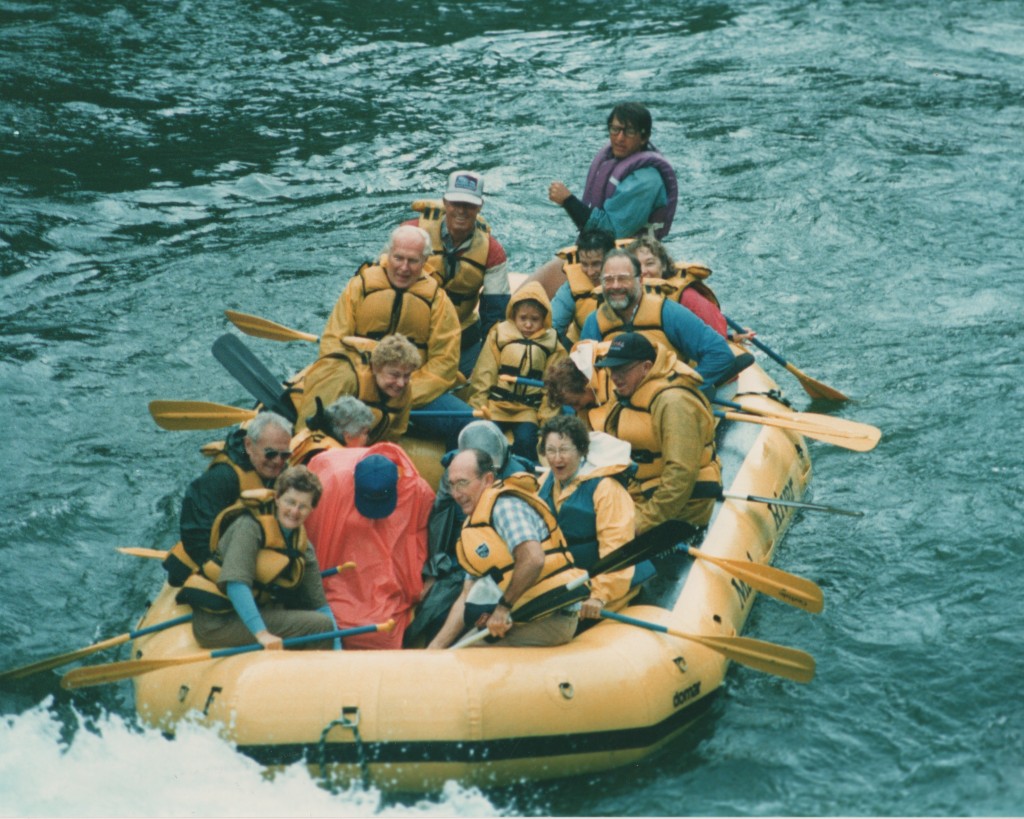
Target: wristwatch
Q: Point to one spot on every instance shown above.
(503, 602)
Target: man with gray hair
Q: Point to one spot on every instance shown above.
(249, 458)
(442, 576)
(395, 295)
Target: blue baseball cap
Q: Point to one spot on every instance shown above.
(376, 487)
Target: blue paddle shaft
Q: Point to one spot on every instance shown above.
(160, 626)
(759, 344)
(296, 641)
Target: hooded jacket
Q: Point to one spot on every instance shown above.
(507, 351)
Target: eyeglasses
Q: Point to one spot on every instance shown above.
(616, 130)
(558, 452)
(624, 279)
(271, 454)
(463, 485)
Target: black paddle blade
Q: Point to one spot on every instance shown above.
(252, 374)
(662, 538)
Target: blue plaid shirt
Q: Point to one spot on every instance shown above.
(516, 522)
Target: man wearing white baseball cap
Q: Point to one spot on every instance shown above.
(467, 261)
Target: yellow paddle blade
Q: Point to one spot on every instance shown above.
(265, 328)
(856, 441)
(62, 659)
(839, 425)
(141, 551)
(815, 388)
(179, 415)
(126, 669)
(771, 658)
(789, 588)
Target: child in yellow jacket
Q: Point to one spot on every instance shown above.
(524, 344)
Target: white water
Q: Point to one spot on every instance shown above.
(122, 771)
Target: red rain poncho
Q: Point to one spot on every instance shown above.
(389, 552)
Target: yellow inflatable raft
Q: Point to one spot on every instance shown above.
(412, 719)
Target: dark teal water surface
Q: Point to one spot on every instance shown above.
(851, 171)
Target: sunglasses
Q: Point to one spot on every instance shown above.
(271, 454)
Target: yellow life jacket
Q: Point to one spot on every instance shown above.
(521, 357)
(646, 320)
(179, 564)
(383, 309)
(278, 565)
(481, 551)
(390, 415)
(465, 283)
(691, 275)
(585, 295)
(631, 421)
(308, 443)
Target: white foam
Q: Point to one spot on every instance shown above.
(114, 769)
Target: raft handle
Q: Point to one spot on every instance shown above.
(349, 719)
(214, 691)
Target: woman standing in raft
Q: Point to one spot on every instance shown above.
(594, 510)
(262, 583)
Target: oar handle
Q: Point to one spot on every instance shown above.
(758, 343)
(335, 569)
(177, 621)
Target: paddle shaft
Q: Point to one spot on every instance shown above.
(71, 656)
(812, 387)
(791, 589)
(812, 507)
(114, 672)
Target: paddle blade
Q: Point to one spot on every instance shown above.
(858, 442)
(182, 415)
(252, 374)
(265, 328)
(115, 672)
(770, 658)
(62, 659)
(815, 388)
(838, 426)
(792, 589)
(141, 551)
